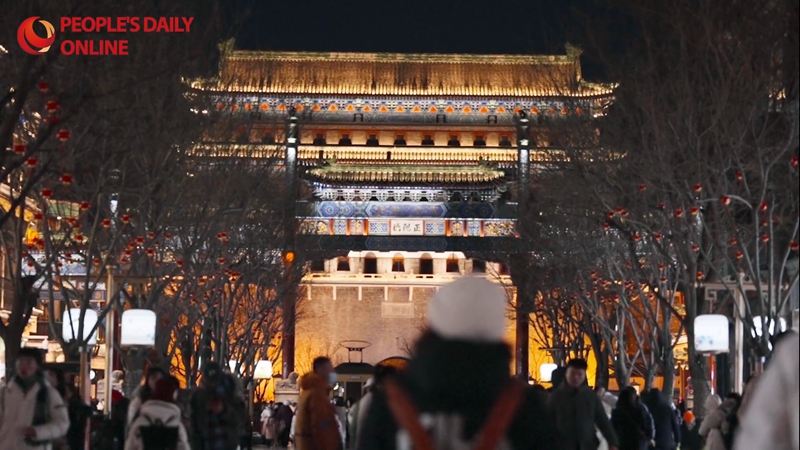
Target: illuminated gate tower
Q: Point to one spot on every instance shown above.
(409, 160)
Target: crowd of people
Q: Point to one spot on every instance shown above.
(456, 393)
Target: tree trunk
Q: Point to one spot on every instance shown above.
(698, 367)
(621, 374)
(649, 377)
(668, 371)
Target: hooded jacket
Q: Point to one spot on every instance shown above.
(17, 409)
(316, 427)
(665, 421)
(454, 385)
(153, 412)
(711, 426)
(233, 417)
(772, 419)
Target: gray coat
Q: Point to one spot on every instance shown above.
(576, 412)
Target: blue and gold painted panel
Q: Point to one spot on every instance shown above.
(375, 209)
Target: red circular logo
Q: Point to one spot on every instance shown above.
(30, 41)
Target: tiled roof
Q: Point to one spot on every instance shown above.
(406, 174)
(400, 74)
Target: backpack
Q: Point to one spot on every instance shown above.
(491, 433)
(157, 435)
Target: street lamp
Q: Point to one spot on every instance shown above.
(69, 332)
(546, 372)
(262, 371)
(711, 334)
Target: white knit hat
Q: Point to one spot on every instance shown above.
(469, 309)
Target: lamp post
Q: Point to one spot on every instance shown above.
(69, 332)
(110, 338)
(262, 371)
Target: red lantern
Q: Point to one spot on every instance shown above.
(167, 236)
(795, 162)
(662, 267)
(51, 106)
(68, 255)
(85, 205)
(179, 263)
(96, 261)
(221, 261)
(765, 238)
(699, 275)
(47, 193)
(725, 200)
(663, 279)
(642, 188)
(151, 235)
(63, 135)
(698, 188)
(678, 213)
(611, 214)
(695, 248)
(106, 223)
(606, 226)
(764, 207)
(657, 237)
(662, 206)
(623, 213)
(150, 252)
(59, 264)
(43, 86)
(125, 219)
(78, 238)
(20, 148)
(694, 210)
(139, 240)
(733, 241)
(31, 264)
(66, 179)
(738, 255)
(628, 264)
(637, 237)
(32, 162)
(794, 245)
(739, 176)
(127, 252)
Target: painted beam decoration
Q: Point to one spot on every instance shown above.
(478, 228)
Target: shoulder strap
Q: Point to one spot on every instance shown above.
(405, 413)
(500, 416)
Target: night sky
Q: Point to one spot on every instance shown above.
(414, 26)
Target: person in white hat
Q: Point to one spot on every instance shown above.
(457, 386)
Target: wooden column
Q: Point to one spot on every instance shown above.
(519, 267)
(289, 289)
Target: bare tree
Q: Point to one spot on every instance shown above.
(706, 119)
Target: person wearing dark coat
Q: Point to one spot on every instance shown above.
(632, 421)
(457, 374)
(667, 425)
(690, 435)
